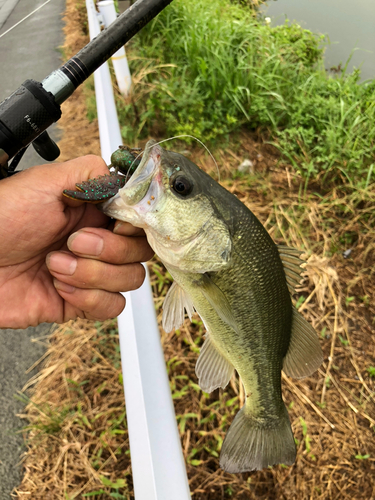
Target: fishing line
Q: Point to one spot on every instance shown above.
(191, 137)
(200, 142)
(28, 15)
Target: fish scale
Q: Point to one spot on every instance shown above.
(260, 301)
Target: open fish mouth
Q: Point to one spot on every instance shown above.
(138, 185)
(131, 200)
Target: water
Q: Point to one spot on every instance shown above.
(349, 25)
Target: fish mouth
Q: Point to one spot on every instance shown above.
(130, 204)
(138, 185)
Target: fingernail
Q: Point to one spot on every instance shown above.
(63, 287)
(118, 226)
(62, 263)
(85, 243)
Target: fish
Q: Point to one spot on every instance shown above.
(226, 267)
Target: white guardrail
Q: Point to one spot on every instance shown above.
(158, 465)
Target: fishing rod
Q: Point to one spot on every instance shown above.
(34, 106)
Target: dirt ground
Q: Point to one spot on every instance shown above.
(77, 438)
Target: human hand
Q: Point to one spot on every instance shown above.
(57, 259)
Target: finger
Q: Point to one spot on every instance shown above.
(126, 229)
(91, 217)
(96, 304)
(98, 243)
(94, 274)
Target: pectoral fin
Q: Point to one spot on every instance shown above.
(212, 369)
(175, 303)
(304, 355)
(218, 301)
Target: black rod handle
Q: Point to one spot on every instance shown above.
(33, 107)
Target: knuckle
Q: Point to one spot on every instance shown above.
(110, 307)
(101, 305)
(99, 274)
(91, 273)
(92, 300)
(127, 248)
(94, 159)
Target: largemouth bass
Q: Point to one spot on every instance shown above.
(226, 267)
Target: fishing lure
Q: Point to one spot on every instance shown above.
(124, 161)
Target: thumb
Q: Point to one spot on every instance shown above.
(54, 178)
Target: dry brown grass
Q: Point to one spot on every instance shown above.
(332, 412)
(77, 440)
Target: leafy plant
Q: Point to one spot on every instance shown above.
(208, 67)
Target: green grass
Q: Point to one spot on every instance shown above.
(209, 67)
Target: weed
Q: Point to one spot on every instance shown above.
(306, 437)
(300, 301)
(49, 422)
(343, 341)
(208, 67)
(89, 91)
(116, 485)
(365, 299)
(183, 418)
(348, 300)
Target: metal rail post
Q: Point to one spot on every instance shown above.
(158, 466)
(119, 61)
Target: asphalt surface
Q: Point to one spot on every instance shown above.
(28, 51)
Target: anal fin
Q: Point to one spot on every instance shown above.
(212, 369)
(304, 355)
(175, 303)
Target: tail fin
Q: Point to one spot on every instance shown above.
(251, 445)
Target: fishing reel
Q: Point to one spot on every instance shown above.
(24, 116)
(33, 107)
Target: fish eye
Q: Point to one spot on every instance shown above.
(182, 186)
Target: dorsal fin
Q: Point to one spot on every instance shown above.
(304, 355)
(175, 303)
(292, 266)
